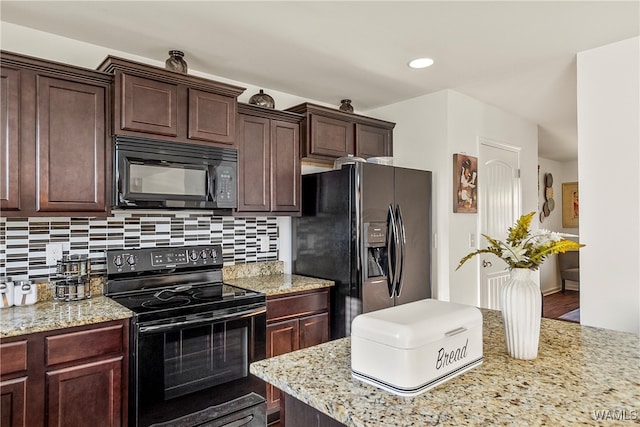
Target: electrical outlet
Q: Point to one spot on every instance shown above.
(264, 243)
(53, 252)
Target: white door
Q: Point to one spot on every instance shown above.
(499, 208)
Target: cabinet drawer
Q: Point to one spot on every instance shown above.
(84, 344)
(13, 356)
(297, 305)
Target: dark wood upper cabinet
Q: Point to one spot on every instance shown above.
(330, 137)
(285, 167)
(329, 133)
(212, 117)
(71, 144)
(55, 138)
(158, 103)
(268, 161)
(9, 139)
(254, 174)
(149, 106)
(373, 141)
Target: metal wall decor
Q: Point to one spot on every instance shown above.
(549, 203)
(176, 62)
(262, 99)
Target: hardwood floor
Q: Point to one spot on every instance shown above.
(555, 305)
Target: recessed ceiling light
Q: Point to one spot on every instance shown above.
(421, 63)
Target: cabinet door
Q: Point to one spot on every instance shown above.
(13, 402)
(282, 337)
(285, 164)
(212, 117)
(254, 165)
(314, 330)
(71, 146)
(331, 137)
(85, 395)
(9, 139)
(148, 106)
(373, 141)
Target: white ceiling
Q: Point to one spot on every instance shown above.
(518, 56)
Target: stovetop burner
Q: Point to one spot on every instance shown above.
(162, 283)
(165, 303)
(180, 296)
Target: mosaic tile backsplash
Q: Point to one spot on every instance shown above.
(23, 241)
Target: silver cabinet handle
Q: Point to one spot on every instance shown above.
(402, 240)
(391, 242)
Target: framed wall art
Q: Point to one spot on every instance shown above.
(465, 184)
(570, 205)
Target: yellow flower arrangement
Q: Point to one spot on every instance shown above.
(524, 249)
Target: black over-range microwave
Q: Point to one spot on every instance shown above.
(151, 174)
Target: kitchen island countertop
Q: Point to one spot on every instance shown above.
(50, 315)
(581, 373)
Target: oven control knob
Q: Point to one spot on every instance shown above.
(193, 255)
(117, 260)
(203, 254)
(214, 254)
(131, 260)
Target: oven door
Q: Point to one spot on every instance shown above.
(197, 368)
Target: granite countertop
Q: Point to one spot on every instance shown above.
(49, 314)
(52, 314)
(280, 284)
(579, 371)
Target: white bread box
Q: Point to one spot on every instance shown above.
(413, 347)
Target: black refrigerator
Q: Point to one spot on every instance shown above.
(368, 228)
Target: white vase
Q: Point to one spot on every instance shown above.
(521, 306)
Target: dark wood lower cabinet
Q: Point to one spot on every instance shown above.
(294, 321)
(89, 394)
(13, 402)
(301, 414)
(68, 377)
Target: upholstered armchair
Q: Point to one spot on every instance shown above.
(569, 265)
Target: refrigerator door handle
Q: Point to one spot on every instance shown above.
(391, 247)
(402, 240)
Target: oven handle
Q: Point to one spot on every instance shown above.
(200, 320)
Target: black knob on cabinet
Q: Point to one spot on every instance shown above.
(117, 260)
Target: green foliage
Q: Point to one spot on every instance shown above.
(523, 249)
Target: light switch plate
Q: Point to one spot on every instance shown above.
(53, 253)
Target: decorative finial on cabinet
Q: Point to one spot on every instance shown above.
(345, 105)
(262, 99)
(176, 62)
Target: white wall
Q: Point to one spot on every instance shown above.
(419, 142)
(429, 130)
(608, 158)
(562, 172)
